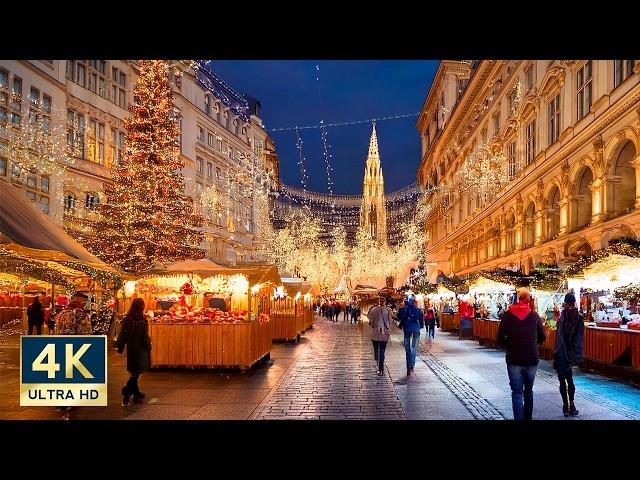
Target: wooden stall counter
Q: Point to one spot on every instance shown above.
(610, 345)
(446, 321)
(486, 330)
(215, 345)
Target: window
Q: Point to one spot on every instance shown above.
(210, 139)
(44, 184)
(623, 69)
(3, 166)
(46, 103)
(219, 144)
(34, 96)
(583, 79)
(102, 67)
(496, 123)
(200, 163)
(69, 202)
(530, 145)
(217, 172)
(70, 69)
(122, 80)
(200, 133)
(93, 82)
(101, 143)
(528, 76)
(4, 78)
(554, 119)
(91, 201)
(120, 149)
(17, 85)
(209, 169)
(513, 101)
(3, 115)
(511, 159)
(122, 100)
(80, 71)
(15, 118)
(207, 104)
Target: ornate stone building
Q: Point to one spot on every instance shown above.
(567, 135)
(381, 214)
(226, 149)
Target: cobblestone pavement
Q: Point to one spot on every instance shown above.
(331, 374)
(334, 378)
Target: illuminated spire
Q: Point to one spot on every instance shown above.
(373, 158)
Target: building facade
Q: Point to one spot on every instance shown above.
(222, 143)
(529, 161)
(381, 215)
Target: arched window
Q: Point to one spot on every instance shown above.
(581, 202)
(207, 104)
(530, 225)
(91, 201)
(69, 202)
(623, 194)
(553, 213)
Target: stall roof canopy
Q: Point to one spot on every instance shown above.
(295, 285)
(26, 230)
(256, 273)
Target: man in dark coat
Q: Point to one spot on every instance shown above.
(568, 352)
(35, 315)
(520, 332)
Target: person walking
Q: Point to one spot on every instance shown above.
(35, 316)
(568, 352)
(520, 332)
(337, 311)
(411, 322)
(355, 313)
(347, 311)
(467, 312)
(380, 322)
(135, 336)
(430, 320)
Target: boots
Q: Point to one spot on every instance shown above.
(565, 410)
(573, 411)
(125, 396)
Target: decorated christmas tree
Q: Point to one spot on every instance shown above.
(147, 217)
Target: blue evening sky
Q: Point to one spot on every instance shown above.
(349, 90)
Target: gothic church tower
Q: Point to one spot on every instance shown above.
(373, 214)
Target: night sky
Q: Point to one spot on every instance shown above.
(349, 90)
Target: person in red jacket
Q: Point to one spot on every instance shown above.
(467, 312)
(520, 332)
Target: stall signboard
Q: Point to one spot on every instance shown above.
(63, 370)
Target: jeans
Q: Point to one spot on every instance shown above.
(378, 352)
(568, 378)
(521, 378)
(410, 346)
(431, 331)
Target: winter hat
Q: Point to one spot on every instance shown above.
(569, 298)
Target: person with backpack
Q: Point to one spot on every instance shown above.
(430, 320)
(568, 351)
(411, 322)
(520, 332)
(380, 322)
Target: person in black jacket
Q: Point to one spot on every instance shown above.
(568, 351)
(135, 336)
(35, 315)
(520, 331)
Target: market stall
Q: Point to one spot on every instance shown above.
(301, 291)
(604, 291)
(207, 316)
(38, 258)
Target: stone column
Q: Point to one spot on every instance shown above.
(597, 201)
(519, 236)
(636, 166)
(538, 227)
(564, 215)
(503, 236)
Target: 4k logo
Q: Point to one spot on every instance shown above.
(63, 370)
